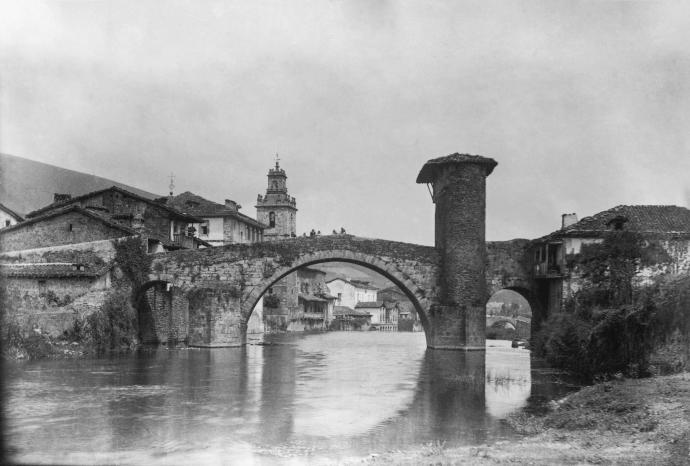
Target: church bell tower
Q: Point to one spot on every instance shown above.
(277, 209)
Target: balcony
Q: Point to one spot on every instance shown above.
(183, 241)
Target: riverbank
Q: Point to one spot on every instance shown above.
(632, 421)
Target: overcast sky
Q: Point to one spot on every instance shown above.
(585, 105)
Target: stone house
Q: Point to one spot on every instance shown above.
(299, 302)
(164, 227)
(48, 288)
(221, 223)
(350, 292)
(384, 315)
(348, 319)
(392, 294)
(67, 225)
(8, 217)
(553, 271)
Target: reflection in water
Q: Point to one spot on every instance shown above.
(309, 396)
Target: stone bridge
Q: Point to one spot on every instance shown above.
(209, 294)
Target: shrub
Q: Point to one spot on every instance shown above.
(562, 341)
(114, 325)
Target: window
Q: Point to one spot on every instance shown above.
(69, 227)
(204, 229)
(340, 297)
(271, 219)
(7, 223)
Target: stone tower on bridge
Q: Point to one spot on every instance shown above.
(277, 209)
(457, 184)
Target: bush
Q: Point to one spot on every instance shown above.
(562, 341)
(113, 326)
(595, 342)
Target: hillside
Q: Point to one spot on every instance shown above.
(26, 185)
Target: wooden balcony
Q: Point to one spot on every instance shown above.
(183, 241)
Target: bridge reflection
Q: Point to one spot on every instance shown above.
(333, 394)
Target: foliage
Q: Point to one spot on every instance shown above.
(131, 257)
(52, 298)
(621, 339)
(113, 326)
(609, 267)
(562, 341)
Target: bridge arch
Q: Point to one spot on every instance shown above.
(414, 292)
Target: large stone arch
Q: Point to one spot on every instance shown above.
(414, 291)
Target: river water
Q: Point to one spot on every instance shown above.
(295, 399)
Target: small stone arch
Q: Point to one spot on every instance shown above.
(413, 291)
(519, 325)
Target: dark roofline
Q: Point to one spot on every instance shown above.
(227, 212)
(14, 214)
(54, 205)
(429, 171)
(572, 231)
(354, 283)
(73, 208)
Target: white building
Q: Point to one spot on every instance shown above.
(350, 292)
(8, 217)
(222, 223)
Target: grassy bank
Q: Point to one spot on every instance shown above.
(631, 421)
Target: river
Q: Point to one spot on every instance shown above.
(294, 399)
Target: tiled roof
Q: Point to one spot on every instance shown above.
(428, 172)
(52, 270)
(11, 212)
(368, 304)
(312, 298)
(355, 283)
(196, 205)
(348, 311)
(62, 211)
(67, 202)
(651, 219)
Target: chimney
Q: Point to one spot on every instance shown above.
(568, 219)
(230, 204)
(57, 197)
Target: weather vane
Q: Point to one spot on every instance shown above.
(172, 183)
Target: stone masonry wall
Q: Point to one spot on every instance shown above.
(56, 231)
(459, 321)
(52, 304)
(508, 265)
(223, 284)
(164, 315)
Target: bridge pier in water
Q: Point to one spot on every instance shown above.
(457, 182)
